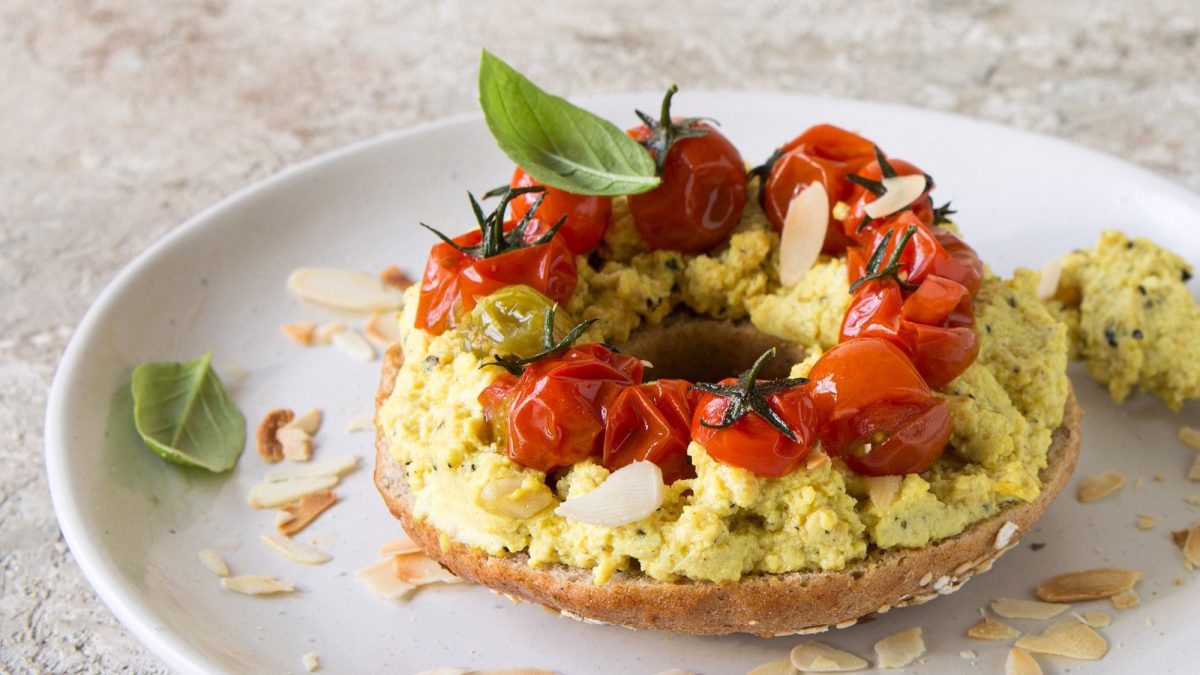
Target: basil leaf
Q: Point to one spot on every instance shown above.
(184, 415)
(560, 144)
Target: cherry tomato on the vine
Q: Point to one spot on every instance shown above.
(752, 442)
(921, 207)
(587, 217)
(650, 422)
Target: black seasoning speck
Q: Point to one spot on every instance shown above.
(594, 260)
(1110, 334)
(430, 362)
(1137, 334)
(1142, 290)
(672, 264)
(1186, 275)
(1037, 546)
(988, 328)
(1012, 301)
(1128, 245)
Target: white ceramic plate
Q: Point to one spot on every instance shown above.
(136, 523)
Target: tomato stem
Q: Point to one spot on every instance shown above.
(664, 131)
(750, 395)
(877, 269)
(495, 241)
(515, 365)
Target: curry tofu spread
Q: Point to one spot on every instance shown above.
(726, 522)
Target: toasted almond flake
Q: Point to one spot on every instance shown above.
(818, 657)
(804, 227)
(213, 562)
(296, 516)
(1096, 487)
(402, 546)
(1021, 662)
(252, 584)
(310, 422)
(270, 495)
(1097, 619)
(1146, 522)
(1192, 500)
(1191, 546)
(310, 662)
(395, 278)
(295, 551)
(967, 653)
(295, 443)
(515, 497)
(269, 447)
(1125, 599)
(1094, 584)
(901, 191)
(1048, 283)
(361, 423)
(1158, 478)
(1005, 534)
(1139, 483)
(1190, 437)
(383, 329)
(382, 581)
(883, 490)
(354, 345)
(991, 629)
(300, 332)
(628, 495)
(781, 666)
(330, 467)
(1194, 471)
(840, 211)
(1179, 537)
(325, 332)
(343, 289)
(899, 649)
(1178, 581)
(816, 460)
(1067, 637)
(1012, 608)
(419, 569)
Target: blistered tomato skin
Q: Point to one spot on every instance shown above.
(650, 422)
(896, 439)
(753, 443)
(701, 198)
(587, 217)
(921, 207)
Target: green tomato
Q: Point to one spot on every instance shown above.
(511, 321)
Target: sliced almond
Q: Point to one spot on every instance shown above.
(899, 649)
(1005, 534)
(840, 211)
(310, 662)
(804, 227)
(1021, 662)
(300, 332)
(295, 443)
(816, 460)
(256, 585)
(303, 512)
(781, 666)
(343, 289)
(325, 332)
(1097, 487)
(269, 447)
(1097, 619)
(1146, 522)
(1190, 437)
(817, 657)
(213, 562)
(1194, 472)
(901, 191)
(270, 495)
(1191, 546)
(1012, 608)
(399, 547)
(395, 277)
(1094, 584)
(332, 467)
(1048, 283)
(310, 422)
(883, 490)
(1179, 537)
(419, 569)
(1126, 599)
(355, 345)
(382, 581)
(383, 329)
(991, 629)
(509, 497)
(967, 654)
(295, 551)
(361, 423)
(629, 494)
(1067, 637)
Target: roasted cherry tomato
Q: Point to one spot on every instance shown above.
(752, 442)
(703, 189)
(650, 422)
(934, 301)
(921, 207)
(554, 414)
(932, 250)
(824, 154)
(890, 438)
(861, 371)
(587, 217)
(510, 322)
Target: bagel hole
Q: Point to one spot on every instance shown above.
(708, 350)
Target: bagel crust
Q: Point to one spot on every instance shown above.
(761, 604)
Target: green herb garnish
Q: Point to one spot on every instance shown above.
(559, 144)
(184, 415)
(877, 269)
(515, 365)
(664, 131)
(495, 240)
(751, 396)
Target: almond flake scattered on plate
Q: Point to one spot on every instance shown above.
(310, 662)
(300, 332)
(1094, 584)
(899, 649)
(267, 441)
(1097, 619)
(1021, 662)
(383, 329)
(295, 443)
(1125, 600)
(991, 629)
(1067, 637)
(1096, 487)
(781, 666)
(1013, 608)
(295, 551)
(1146, 522)
(1190, 437)
(300, 514)
(330, 467)
(325, 332)
(361, 423)
(1191, 546)
(400, 547)
(395, 277)
(818, 657)
(213, 562)
(382, 581)
(310, 422)
(354, 345)
(270, 495)
(419, 569)
(256, 585)
(343, 289)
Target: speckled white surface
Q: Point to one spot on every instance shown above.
(121, 119)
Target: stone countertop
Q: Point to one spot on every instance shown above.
(122, 119)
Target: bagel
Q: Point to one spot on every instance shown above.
(761, 604)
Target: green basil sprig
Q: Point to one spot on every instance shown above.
(184, 415)
(560, 144)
